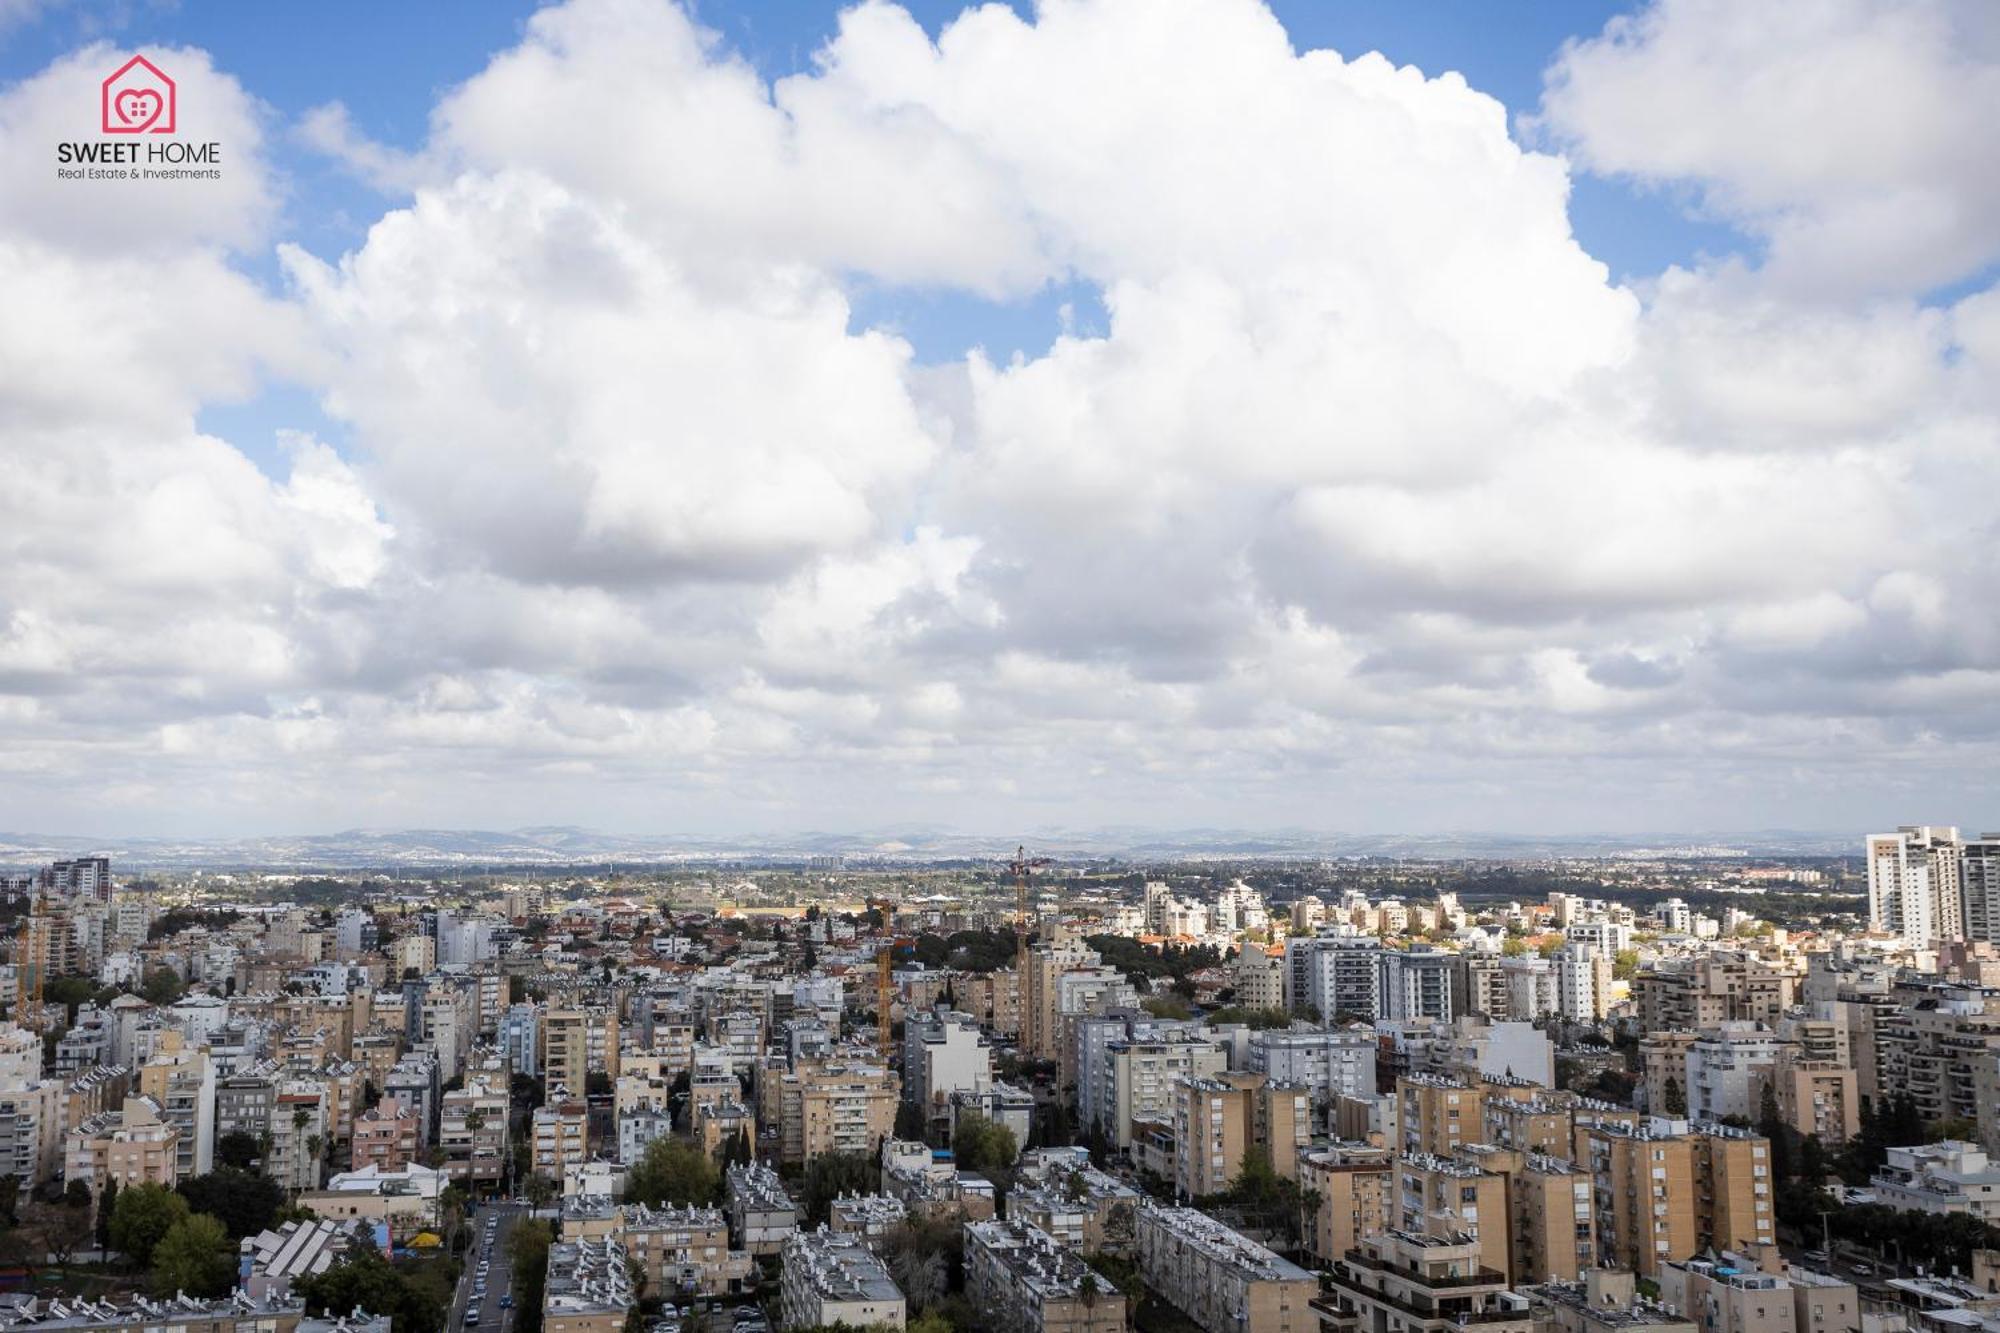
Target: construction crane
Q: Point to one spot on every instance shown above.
(31, 960)
(885, 985)
(1021, 868)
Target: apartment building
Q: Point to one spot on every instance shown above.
(943, 1052)
(684, 1252)
(1076, 1203)
(1663, 1190)
(1330, 1062)
(1021, 1281)
(1419, 1283)
(1944, 1178)
(132, 1146)
(576, 1043)
(1554, 1220)
(1138, 1075)
(833, 1278)
(385, 1136)
(1222, 1280)
(1335, 975)
(588, 1288)
(1217, 1120)
(836, 1108)
(1345, 1190)
(1915, 888)
(561, 1134)
(472, 1131)
(1720, 986)
(1602, 1301)
(1727, 1067)
(1439, 1114)
(1451, 1196)
(761, 1213)
(1726, 1293)
(1817, 1097)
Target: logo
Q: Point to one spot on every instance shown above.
(139, 99)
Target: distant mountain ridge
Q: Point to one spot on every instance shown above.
(558, 845)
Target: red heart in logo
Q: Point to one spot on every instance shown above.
(138, 107)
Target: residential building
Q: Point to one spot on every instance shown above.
(1021, 1281)
(1349, 1186)
(588, 1288)
(1222, 1280)
(761, 1213)
(385, 1136)
(1914, 886)
(829, 1277)
(684, 1252)
(1419, 1283)
(1949, 1177)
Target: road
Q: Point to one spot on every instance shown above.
(499, 1274)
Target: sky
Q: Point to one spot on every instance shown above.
(1170, 413)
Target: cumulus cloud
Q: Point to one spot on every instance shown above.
(1850, 134)
(1373, 501)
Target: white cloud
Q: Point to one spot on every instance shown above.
(1373, 502)
(1852, 134)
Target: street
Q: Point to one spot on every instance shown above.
(498, 1280)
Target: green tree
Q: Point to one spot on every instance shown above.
(239, 1149)
(195, 1257)
(364, 1280)
(106, 1206)
(144, 1215)
(1625, 964)
(528, 1250)
(830, 1175)
(980, 1145)
(1672, 1099)
(245, 1203)
(1772, 1126)
(162, 985)
(674, 1171)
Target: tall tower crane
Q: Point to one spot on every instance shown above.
(1021, 868)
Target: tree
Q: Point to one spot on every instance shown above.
(673, 1171)
(244, 1202)
(1672, 1100)
(1772, 1126)
(528, 1249)
(162, 986)
(364, 1280)
(106, 1205)
(910, 1121)
(238, 1149)
(64, 1228)
(194, 1257)
(922, 1276)
(539, 1189)
(1625, 964)
(980, 1145)
(143, 1216)
(830, 1175)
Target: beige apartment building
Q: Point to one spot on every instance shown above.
(683, 1251)
(1438, 1114)
(133, 1146)
(1222, 1280)
(561, 1130)
(836, 1108)
(576, 1043)
(1446, 1196)
(1418, 1283)
(1662, 1194)
(1344, 1192)
(1021, 1281)
(472, 1131)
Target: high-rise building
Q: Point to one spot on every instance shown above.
(1335, 975)
(1914, 883)
(1418, 983)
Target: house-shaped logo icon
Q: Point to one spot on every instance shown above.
(138, 99)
